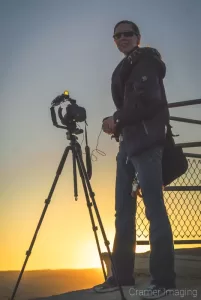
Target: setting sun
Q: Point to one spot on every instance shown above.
(88, 258)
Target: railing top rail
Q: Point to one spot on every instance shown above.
(184, 103)
(185, 120)
(189, 145)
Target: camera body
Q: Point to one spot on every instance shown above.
(74, 113)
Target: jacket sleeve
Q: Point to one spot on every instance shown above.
(144, 98)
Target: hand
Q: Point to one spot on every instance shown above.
(109, 125)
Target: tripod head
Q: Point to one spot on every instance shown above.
(74, 114)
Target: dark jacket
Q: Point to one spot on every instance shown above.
(139, 95)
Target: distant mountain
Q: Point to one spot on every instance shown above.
(45, 283)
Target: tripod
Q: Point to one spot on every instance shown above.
(77, 161)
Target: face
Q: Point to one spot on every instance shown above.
(125, 42)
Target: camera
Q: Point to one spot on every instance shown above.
(73, 114)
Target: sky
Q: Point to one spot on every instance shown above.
(47, 47)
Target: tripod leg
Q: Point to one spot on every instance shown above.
(92, 196)
(74, 174)
(47, 202)
(89, 204)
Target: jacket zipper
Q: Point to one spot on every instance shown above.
(127, 160)
(145, 127)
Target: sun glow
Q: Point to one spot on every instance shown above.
(142, 248)
(88, 256)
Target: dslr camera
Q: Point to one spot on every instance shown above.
(73, 113)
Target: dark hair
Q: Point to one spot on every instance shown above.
(134, 26)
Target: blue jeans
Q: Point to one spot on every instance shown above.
(149, 172)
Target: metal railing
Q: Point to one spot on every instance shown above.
(182, 197)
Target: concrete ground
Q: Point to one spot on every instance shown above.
(188, 269)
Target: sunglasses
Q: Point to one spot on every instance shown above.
(117, 36)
